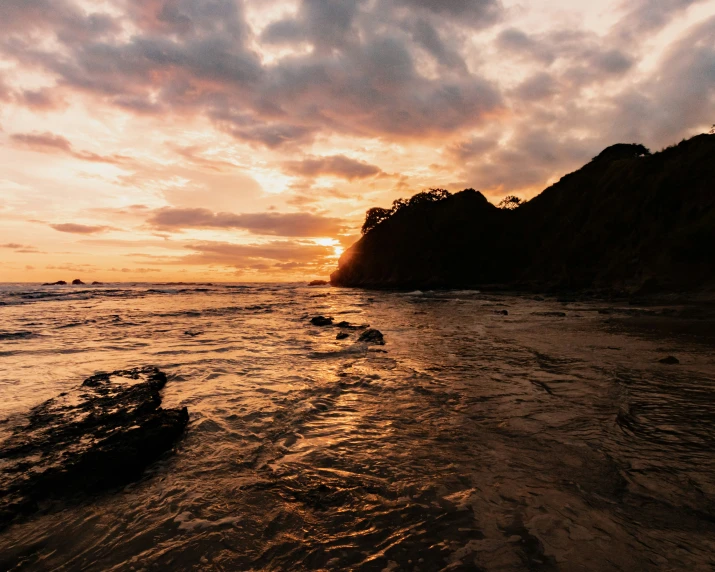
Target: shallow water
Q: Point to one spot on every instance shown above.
(472, 440)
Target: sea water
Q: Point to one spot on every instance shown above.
(471, 440)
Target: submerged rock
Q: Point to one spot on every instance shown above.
(372, 336)
(77, 282)
(670, 360)
(321, 321)
(58, 283)
(342, 336)
(349, 326)
(96, 283)
(101, 434)
(21, 335)
(318, 283)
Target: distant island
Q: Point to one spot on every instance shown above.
(628, 221)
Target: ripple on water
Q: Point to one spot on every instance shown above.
(537, 442)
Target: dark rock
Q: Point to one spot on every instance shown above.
(670, 360)
(95, 283)
(372, 336)
(15, 335)
(58, 283)
(551, 314)
(349, 326)
(193, 333)
(318, 283)
(99, 435)
(77, 282)
(342, 336)
(321, 321)
(502, 312)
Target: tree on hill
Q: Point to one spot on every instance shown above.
(511, 202)
(376, 215)
(373, 217)
(623, 151)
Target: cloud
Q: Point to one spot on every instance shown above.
(49, 143)
(43, 142)
(136, 270)
(648, 16)
(12, 245)
(249, 255)
(191, 58)
(335, 165)
(73, 228)
(269, 223)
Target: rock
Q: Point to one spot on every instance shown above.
(193, 333)
(372, 336)
(502, 312)
(95, 283)
(77, 282)
(342, 336)
(15, 335)
(551, 314)
(349, 326)
(670, 360)
(99, 435)
(318, 283)
(321, 321)
(58, 283)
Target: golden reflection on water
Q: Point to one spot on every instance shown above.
(477, 439)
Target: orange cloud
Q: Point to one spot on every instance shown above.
(73, 228)
(268, 223)
(336, 165)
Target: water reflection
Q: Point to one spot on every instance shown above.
(523, 441)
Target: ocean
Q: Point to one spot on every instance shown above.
(490, 432)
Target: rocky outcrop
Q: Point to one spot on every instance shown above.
(318, 283)
(58, 283)
(321, 321)
(77, 282)
(372, 336)
(627, 221)
(99, 435)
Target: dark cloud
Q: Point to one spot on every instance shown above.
(475, 12)
(269, 223)
(336, 165)
(12, 245)
(195, 57)
(649, 16)
(584, 56)
(472, 148)
(537, 87)
(73, 228)
(24, 18)
(679, 96)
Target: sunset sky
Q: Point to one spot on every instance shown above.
(185, 140)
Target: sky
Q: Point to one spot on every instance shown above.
(229, 140)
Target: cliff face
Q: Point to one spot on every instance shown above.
(625, 220)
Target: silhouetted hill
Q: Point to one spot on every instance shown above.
(626, 220)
